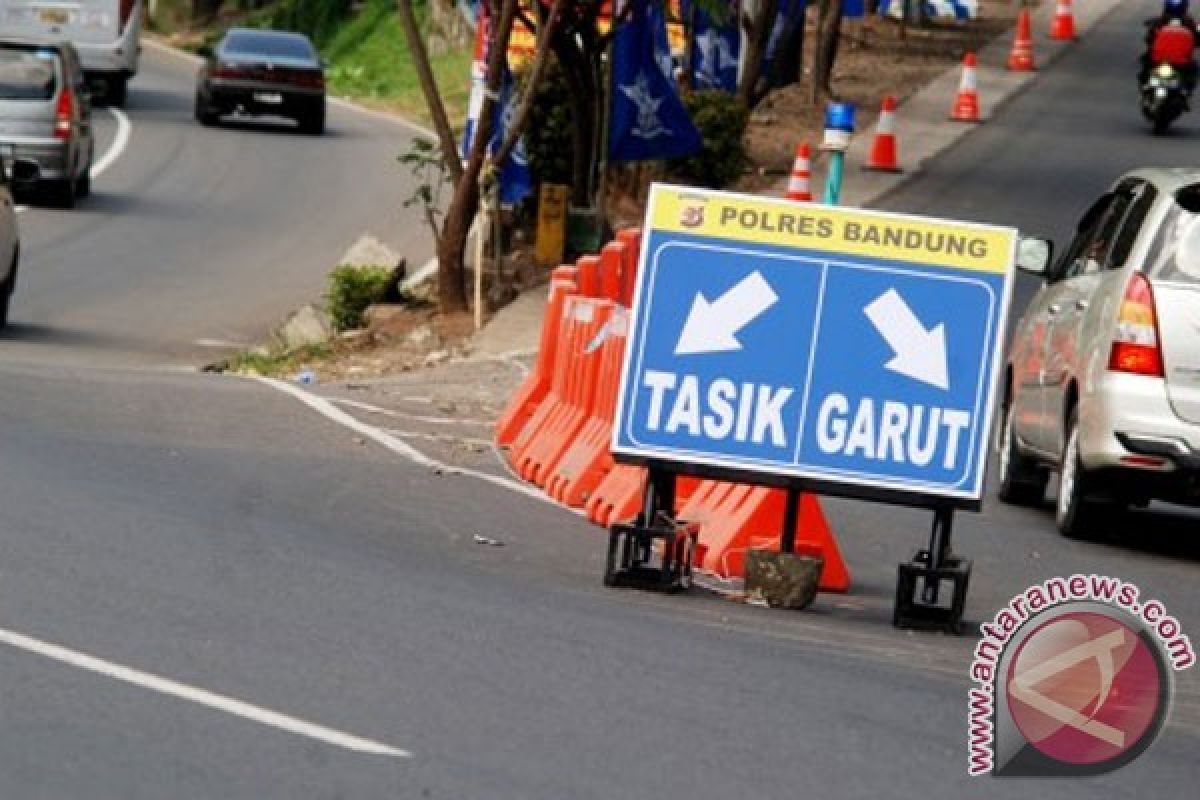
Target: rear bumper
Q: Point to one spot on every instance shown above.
(225, 97)
(50, 155)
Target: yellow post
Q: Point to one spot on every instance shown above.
(551, 225)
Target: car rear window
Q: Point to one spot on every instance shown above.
(268, 45)
(1174, 254)
(27, 74)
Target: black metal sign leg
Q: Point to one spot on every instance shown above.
(655, 551)
(920, 599)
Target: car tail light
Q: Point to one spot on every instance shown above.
(126, 12)
(63, 113)
(1135, 347)
(222, 70)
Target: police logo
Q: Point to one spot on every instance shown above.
(692, 216)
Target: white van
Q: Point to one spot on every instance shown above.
(106, 34)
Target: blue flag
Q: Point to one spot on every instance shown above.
(647, 121)
(715, 48)
(515, 179)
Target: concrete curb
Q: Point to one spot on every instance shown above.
(922, 125)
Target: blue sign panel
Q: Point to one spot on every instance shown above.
(843, 346)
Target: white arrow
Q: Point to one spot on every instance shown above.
(712, 327)
(920, 353)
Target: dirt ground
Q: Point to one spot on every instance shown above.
(877, 56)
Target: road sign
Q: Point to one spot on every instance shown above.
(855, 350)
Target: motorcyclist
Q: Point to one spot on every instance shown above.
(1171, 38)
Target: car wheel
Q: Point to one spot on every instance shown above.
(62, 193)
(1022, 481)
(6, 292)
(117, 91)
(83, 186)
(314, 122)
(204, 115)
(1075, 513)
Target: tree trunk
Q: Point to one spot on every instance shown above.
(429, 87)
(452, 244)
(759, 35)
(829, 30)
(577, 71)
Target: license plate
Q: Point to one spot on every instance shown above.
(268, 98)
(53, 16)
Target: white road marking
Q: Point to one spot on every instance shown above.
(114, 151)
(387, 412)
(202, 697)
(328, 410)
(217, 343)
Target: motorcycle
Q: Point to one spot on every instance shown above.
(1164, 97)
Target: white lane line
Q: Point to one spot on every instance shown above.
(119, 143)
(400, 447)
(114, 151)
(387, 412)
(217, 343)
(202, 697)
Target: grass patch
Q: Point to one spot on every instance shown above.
(369, 61)
(276, 364)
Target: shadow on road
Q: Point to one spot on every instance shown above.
(57, 336)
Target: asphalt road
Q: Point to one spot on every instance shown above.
(211, 555)
(202, 234)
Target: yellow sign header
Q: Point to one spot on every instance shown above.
(853, 232)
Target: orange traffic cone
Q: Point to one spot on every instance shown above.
(1063, 27)
(800, 183)
(883, 147)
(966, 103)
(1020, 58)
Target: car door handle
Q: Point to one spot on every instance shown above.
(1054, 308)
(1081, 305)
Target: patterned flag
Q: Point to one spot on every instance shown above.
(789, 23)
(715, 48)
(516, 181)
(647, 120)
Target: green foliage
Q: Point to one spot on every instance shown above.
(351, 290)
(319, 19)
(275, 364)
(548, 134)
(428, 169)
(721, 120)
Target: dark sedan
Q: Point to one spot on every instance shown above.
(263, 73)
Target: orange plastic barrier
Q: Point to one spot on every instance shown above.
(618, 497)
(632, 239)
(612, 264)
(587, 460)
(583, 318)
(535, 386)
(558, 428)
(589, 276)
(734, 518)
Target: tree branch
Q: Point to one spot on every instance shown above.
(429, 87)
(540, 60)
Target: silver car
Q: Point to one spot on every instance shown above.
(1103, 378)
(10, 245)
(46, 115)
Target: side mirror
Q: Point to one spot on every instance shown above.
(1034, 255)
(24, 171)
